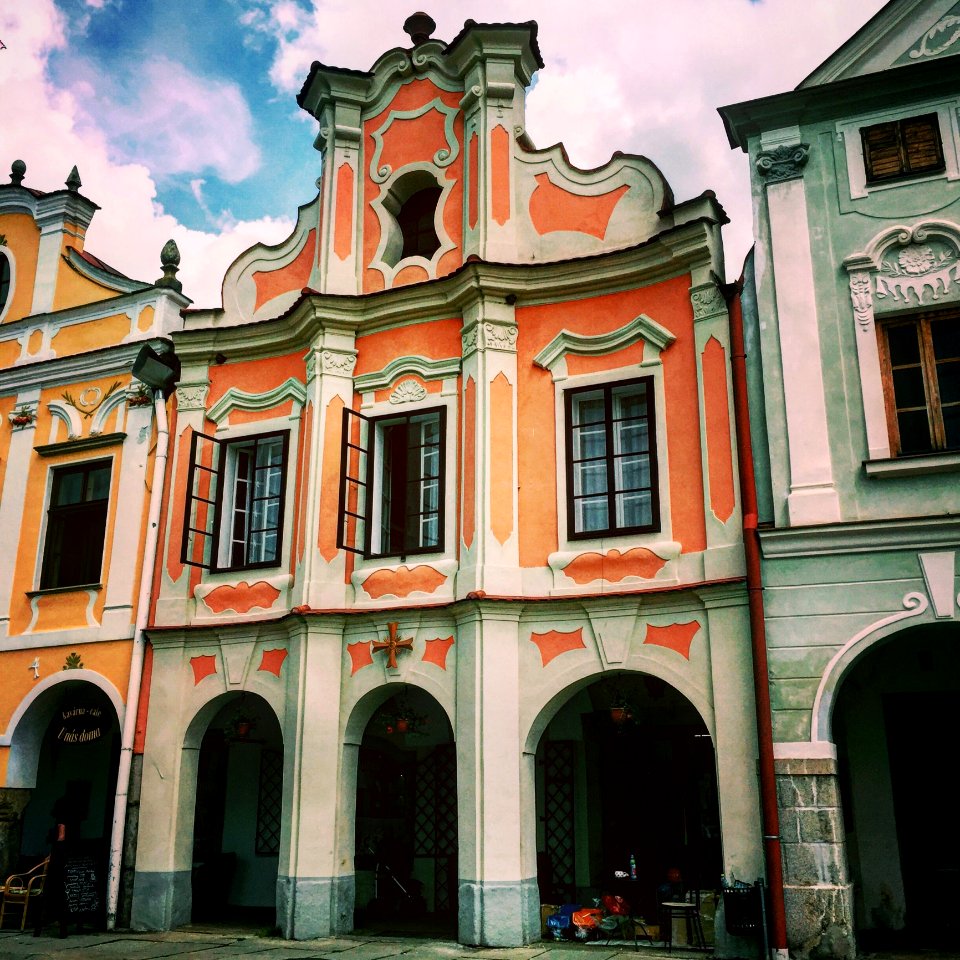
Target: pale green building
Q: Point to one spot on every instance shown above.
(852, 315)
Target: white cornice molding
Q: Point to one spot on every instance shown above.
(421, 366)
(109, 361)
(877, 536)
(640, 328)
(234, 399)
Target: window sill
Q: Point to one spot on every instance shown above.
(73, 588)
(914, 465)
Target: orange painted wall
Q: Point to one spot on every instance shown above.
(23, 241)
(668, 303)
(292, 276)
(330, 480)
(407, 141)
(255, 376)
(501, 458)
(437, 340)
(500, 174)
(553, 208)
(343, 228)
(717, 418)
(6, 405)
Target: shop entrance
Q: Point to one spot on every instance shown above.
(894, 711)
(626, 796)
(236, 827)
(76, 728)
(406, 823)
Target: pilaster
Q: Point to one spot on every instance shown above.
(812, 497)
(330, 365)
(498, 904)
(489, 548)
(13, 495)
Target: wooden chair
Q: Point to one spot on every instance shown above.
(22, 889)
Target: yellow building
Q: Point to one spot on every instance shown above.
(78, 446)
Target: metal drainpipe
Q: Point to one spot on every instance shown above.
(758, 636)
(136, 661)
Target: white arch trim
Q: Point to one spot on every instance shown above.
(578, 678)
(41, 686)
(234, 399)
(914, 604)
(69, 416)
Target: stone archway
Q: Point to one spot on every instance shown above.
(624, 769)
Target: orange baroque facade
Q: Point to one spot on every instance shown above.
(450, 589)
(78, 445)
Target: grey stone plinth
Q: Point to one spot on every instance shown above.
(161, 900)
(820, 922)
(311, 907)
(499, 913)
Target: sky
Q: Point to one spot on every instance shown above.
(181, 115)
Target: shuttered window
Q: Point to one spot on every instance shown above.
(902, 148)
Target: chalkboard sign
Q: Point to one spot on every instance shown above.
(81, 894)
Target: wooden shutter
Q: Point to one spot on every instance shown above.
(355, 500)
(202, 508)
(881, 151)
(921, 142)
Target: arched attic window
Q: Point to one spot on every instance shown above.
(5, 274)
(412, 202)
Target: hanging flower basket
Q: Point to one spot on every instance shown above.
(22, 417)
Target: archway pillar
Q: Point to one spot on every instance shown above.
(315, 887)
(498, 903)
(817, 888)
(162, 893)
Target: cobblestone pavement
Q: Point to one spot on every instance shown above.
(187, 944)
(196, 945)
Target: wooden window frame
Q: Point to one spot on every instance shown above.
(905, 171)
(61, 518)
(210, 535)
(609, 456)
(361, 482)
(928, 361)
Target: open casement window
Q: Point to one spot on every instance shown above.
(902, 148)
(611, 456)
(76, 525)
(234, 509)
(392, 483)
(920, 361)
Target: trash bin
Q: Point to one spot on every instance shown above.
(743, 909)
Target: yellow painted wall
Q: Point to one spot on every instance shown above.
(23, 239)
(68, 609)
(80, 337)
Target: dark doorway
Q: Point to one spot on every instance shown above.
(236, 827)
(892, 714)
(626, 774)
(76, 770)
(406, 824)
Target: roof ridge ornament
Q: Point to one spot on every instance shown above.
(418, 26)
(170, 262)
(18, 170)
(72, 183)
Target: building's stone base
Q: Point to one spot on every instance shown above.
(161, 901)
(820, 922)
(310, 907)
(817, 892)
(499, 914)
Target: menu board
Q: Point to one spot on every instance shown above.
(81, 884)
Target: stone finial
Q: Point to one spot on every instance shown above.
(418, 26)
(170, 261)
(18, 170)
(73, 183)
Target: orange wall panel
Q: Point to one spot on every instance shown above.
(716, 404)
(437, 340)
(343, 228)
(469, 461)
(501, 458)
(330, 480)
(552, 208)
(254, 376)
(500, 174)
(293, 276)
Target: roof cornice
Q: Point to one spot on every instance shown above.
(918, 81)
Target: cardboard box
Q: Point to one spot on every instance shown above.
(653, 930)
(545, 910)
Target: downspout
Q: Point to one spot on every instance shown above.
(136, 660)
(761, 685)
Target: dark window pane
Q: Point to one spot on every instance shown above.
(946, 338)
(904, 344)
(914, 431)
(948, 381)
(908, 387)
(951, 426)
